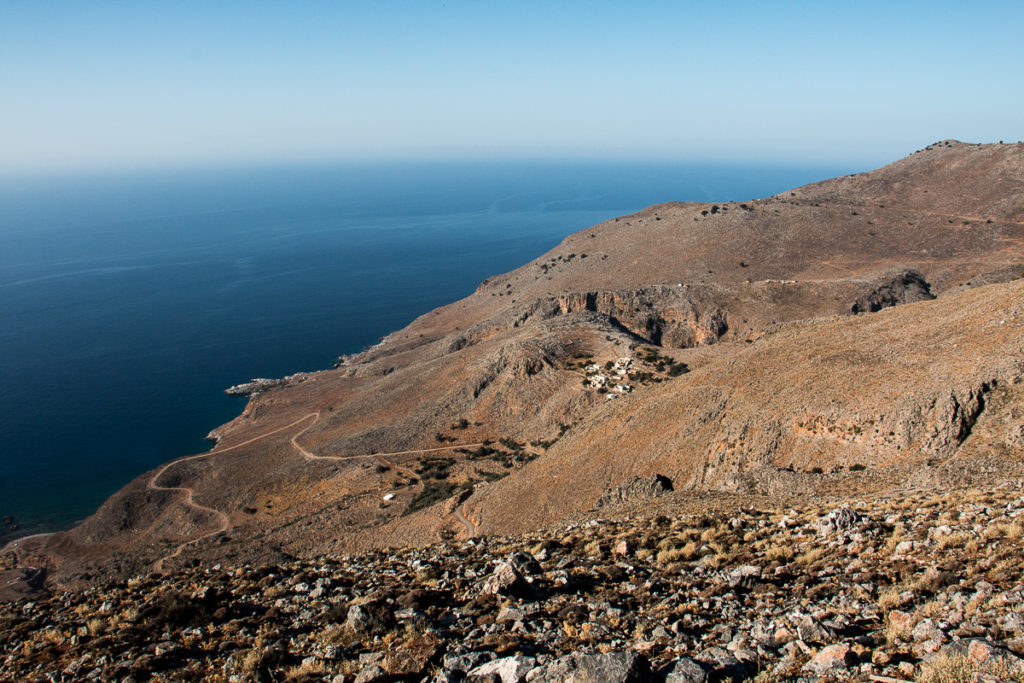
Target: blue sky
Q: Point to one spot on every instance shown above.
(110, 85)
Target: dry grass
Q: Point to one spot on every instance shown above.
(96, 626)
(899, 534)
(890, 598)
(780, 553)
(896, 633)
(1009, 530)
(957, 539)
(944, 668)
(952, 668)
(811, 557)
(306, 671)
(688, 552)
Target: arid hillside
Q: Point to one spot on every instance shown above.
(863, 333)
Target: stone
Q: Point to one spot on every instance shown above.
(685, 670)
(505, 579)
(988, 656)
(466, 662)
(507, 614)
(833, 659)
(372, 674)
(613, 667)
(509, 669)
(901, 622)
(926, 630)
(814, 632)
(370, 617)
(524, 563)
(744, 577)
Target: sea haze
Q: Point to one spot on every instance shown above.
(130, 302)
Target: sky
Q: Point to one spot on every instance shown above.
(99, 85)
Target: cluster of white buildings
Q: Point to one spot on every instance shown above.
(598, 380)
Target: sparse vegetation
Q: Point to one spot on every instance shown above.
(432, 492)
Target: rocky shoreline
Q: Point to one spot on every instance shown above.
(926, 585)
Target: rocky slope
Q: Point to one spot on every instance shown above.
(918, 584)
(847, 336)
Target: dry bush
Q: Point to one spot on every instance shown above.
(899, 534)
(780, 553)
(1009, 530)
(688, 552)
(890, 598)
(251, 661)
(894, 633)
(96, 626)
(811, 557)
(945, 668)
(953, 668)
(957, 539)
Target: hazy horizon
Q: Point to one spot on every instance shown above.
(101, 86)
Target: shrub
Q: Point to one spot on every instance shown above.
(677, 369)
(432, 492)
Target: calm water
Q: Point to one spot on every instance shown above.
(129, 303)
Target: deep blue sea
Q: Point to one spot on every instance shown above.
(130, 302)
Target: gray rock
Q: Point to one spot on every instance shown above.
(744, 577)
(372, 674)
(685, 670)
(613, 667)
(508, 669)
(467, 661)
(524, 563)
(814, 632)
(506, 579)
(369, 618)
(833, 659)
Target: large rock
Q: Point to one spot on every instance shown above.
(371, 617)
(612, 667)
(685, 670)
(505, 579)
(831, 660)
(509, 669)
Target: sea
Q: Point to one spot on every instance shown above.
(130, 301)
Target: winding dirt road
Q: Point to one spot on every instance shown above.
(466, 521)
(224, 522)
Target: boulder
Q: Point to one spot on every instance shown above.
(508, 669)
(831, 660)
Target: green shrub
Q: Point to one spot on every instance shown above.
(432, 492)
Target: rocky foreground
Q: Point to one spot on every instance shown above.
(925, 585)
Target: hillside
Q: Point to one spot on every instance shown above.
(851, 337)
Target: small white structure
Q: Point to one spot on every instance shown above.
(598, 381)
(593, 367)
(611, 397)
(623, 388)
(389, 497)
